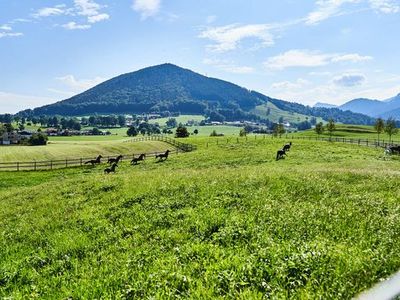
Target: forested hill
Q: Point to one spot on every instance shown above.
(170, 88)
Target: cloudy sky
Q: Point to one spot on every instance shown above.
(306, 51)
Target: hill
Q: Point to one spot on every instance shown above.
(375, 108)
(170, 88)
(226, 221)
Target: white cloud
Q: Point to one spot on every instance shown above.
(10, 34)
(307, 58)
(385, 6)
(351, 58)
(298, 84)
(87, 8)
(6, 27)
(228, 66)
(228, 37)
(326, 9)
(147, 8)
(51, 11)
(79, 85)
(297, 58)
(75, 26)
(98, 18)
(349, 80)
(211, 19)
(12, 103)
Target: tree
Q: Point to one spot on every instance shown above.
(38, 139)
(196, 131)
(96, 131)
(132, 131)
(379, 126)
(172, 123)
(330, 127)
(319, 128)
(279, 129)
(391, 128)
(121, 120)
(181, 132)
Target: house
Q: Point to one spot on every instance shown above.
(9, 138)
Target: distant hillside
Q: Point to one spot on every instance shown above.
(375, 108)
(324, 105)
(170, 88)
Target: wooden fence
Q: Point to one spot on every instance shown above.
(78, 162)
(179, 145)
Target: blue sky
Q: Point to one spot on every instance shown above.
(298, 50)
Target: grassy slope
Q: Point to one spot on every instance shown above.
(226, 220)
(276, 113)
(76, 149)
(352, 131)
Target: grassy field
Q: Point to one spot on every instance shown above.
(76, 149)
(351, 131)
(180, 119)
(276, 113)
(226, 221)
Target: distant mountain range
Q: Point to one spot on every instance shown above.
(168, 87)
(389, 108)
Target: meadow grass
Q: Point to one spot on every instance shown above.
(226, 221)
(76, 149)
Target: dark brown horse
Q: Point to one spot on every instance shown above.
(110, 169)
(163, 156)
(94, 161)
(114, 160)
(135, 160)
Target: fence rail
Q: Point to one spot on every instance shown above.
(76, 162)
(366, 142)
(179, 145)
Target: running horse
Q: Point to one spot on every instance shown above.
(163, 156)
(94, 161)
(280, 154)
(135, 160)
(114, 160)
(110, 169)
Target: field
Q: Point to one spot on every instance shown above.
(226, 221)
(354, 132)
(76, 149)
(276, 113)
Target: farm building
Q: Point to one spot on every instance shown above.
(9, 138)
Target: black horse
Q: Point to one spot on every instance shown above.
(280, 154)
(135, 160)
(287, 146)
(94, 161)
(115, 160)
(163, 156)
(110, 169)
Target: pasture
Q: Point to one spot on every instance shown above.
(226, 221)
(62, 149)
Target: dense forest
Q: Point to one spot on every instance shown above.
(170, 88)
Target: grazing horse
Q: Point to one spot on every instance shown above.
(135, 160)
(163, 156)
(280, 154)
(287, 146)
(94, 161)
(114, 160)
(110, 169)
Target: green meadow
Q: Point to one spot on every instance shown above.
(225, 221)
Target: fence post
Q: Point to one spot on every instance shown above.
(81, 161)
(51, 165)
(66, 162)
(17, 166)
(34, 165)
